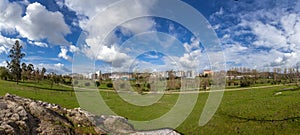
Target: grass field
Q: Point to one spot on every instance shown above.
(252, 111)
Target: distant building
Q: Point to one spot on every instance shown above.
(190, 74)
(122, 76)
(208, 72)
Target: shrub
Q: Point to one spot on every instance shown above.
(97, 83)
(87, 84)
(76, 82)
(122, 86)
(110, 85)
(137, 85)
(148, 85)
(245, 83)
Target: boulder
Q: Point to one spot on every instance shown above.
(28, 117)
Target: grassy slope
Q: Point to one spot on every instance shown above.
(41, 91)
(254, 111)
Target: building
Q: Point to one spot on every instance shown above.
(208, 72)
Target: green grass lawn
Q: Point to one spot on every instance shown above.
(252, 111)
(63, 96)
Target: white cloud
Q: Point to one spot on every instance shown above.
(73, 49)
(40, 58)
(220, 12)
(268, 35)
(40, 44)
(10, 15)
(2, 49)
(111, 17)
(88, 8)
(37, 24)
(260, 34)
(57, 68)
(59, 65)
(63, 54)
(60, 3)
(6, 43)
(3, 64)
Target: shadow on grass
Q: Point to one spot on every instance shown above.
(262, 120)
(44, 88)
(53, 89)
(289, 89)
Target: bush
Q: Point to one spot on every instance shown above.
(76, 82)
(97, 83)
(87, 84)
(137, 85)
(245, 83)
(122, 86)
(67, 81)
(110, 85)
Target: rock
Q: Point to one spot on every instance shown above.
(7, 129)
(28, 117)
(118, 125)
(22, 113)
(157, 132)
(8, 114)
(15, 117)
(3, 105)
(278, 93)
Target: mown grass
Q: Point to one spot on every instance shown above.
(251, 111)
(58, 94)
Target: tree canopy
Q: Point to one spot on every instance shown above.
(15, 54)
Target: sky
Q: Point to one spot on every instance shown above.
(111, 35)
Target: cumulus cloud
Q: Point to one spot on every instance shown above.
(40, 44)
(73, 49)
(263, 33)
(3, 64)
(6, 43)
(10, 14)
(63, 54)
(35, 24)
(57, 68)
(39, 23)
(111, 18)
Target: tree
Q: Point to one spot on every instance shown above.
(43, 72)
(37, 75)
(24, 71)
(172, 76)
(30, 69)
(14, 65)
(4, 74)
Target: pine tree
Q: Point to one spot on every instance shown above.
(14, 65)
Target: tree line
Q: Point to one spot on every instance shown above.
(16, 71)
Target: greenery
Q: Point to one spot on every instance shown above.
(58, 94)
(250, 111)
(15, 54)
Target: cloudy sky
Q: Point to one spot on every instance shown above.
(111, 34)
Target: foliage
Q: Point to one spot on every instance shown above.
(87, 84)
(253, 111)
(109, 85)
(15, 54)
(4, 73)
(246, 82)
(97, 83)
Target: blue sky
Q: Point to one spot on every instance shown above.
(259, 34)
